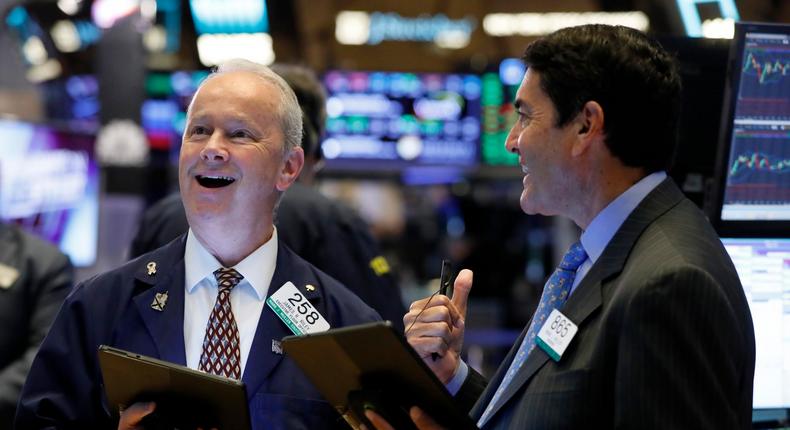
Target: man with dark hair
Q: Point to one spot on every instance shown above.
(200, 300)
(644, 324)
(327, 234)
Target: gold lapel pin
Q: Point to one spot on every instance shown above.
(151, 268)
(309, 287)
(160, 300)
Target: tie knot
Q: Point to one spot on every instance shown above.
(574, 257)
(227, 278)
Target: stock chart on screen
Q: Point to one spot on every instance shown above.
(758, 172)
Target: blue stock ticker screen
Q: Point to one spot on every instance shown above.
(758, 174)
(380, 121)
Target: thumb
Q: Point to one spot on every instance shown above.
(461, 288)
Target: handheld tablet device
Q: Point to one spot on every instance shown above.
(185, 398)
(372, 366)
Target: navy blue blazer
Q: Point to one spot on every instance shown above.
(64, 388)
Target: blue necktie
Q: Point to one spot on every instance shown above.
(554, 295)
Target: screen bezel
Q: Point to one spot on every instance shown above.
(739, 228)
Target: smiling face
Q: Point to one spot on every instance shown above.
(232, 168)
(544, 151)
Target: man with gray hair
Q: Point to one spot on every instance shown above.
(240, 152)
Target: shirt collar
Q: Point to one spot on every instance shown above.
(608, 221)
(257, 268)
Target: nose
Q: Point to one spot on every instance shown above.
(511, 143)
(215, 149)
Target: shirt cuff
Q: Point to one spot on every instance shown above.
(458, 379)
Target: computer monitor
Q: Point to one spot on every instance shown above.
(499, 114)
(391, 121)
(753, 170)
(49, 185)
(763, 265)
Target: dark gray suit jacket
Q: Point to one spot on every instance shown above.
(665, 336)
(27, 307)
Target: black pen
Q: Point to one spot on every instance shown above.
(444, 283)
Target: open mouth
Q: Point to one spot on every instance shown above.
(214, 181)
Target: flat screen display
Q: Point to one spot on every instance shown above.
(391, 121)
(755, 157)
(163, 113)
(499, 115)
(49, 185)
(764, 269)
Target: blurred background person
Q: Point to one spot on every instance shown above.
(35, 277)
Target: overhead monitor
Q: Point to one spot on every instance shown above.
(387, 121)
(763, 266)
(753, 170)
(163, 114)
(49, 185)
(499, 115)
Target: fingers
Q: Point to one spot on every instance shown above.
(461, 288)
(422, 420)
(425, 346)
(131, 416)
(432, 309)
(378, 422)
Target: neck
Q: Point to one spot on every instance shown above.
(229, 247)
(604, 185)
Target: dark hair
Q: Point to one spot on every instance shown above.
(632, 77)
(312, 100)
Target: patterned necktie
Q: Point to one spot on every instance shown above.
(554, 295)
(221, 353)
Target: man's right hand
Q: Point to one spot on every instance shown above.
(133, 415)
(439, 329)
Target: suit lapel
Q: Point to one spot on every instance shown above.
(493, 384)
(165, 322)
(588, 294)
(262, 359)
(9, 252)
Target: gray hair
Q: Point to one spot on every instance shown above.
(289, 112)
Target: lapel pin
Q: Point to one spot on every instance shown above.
(309, 287)
(277, 347)
(8, 275)
(160, 300)
(151, 268)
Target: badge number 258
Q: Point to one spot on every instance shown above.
(296, 311)
(303, 307)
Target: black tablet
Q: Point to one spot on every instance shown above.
(185, 398)
(372, 366)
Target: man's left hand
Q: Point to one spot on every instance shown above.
(417, 415)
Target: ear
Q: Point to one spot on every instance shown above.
(292, 166)
(590, 127)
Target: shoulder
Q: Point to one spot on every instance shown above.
(29, 247)
(118, 285)
(680, 258)
(335, 298)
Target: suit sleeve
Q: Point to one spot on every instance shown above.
(63, 389)
(470, 390)
(679, 355)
